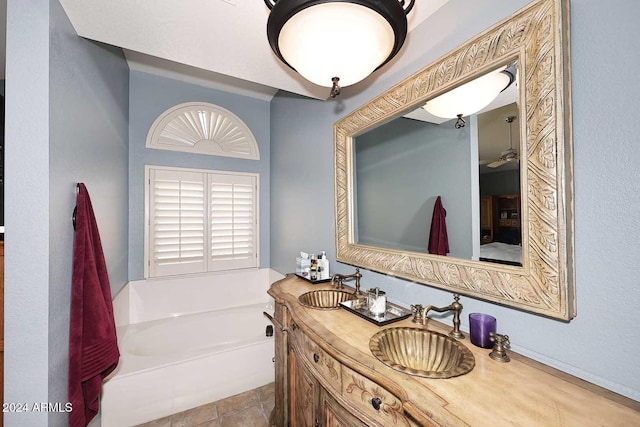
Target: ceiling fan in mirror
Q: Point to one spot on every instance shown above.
(507, 156)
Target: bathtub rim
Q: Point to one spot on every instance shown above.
(129, 363)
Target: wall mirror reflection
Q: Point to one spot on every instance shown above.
(402, 166)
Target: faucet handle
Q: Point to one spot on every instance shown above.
(499, 352)
(336, 281)
(500, 339)
(417, 313)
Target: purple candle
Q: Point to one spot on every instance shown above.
(480, 325)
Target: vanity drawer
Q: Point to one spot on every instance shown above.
(326, 366)
(372, 400)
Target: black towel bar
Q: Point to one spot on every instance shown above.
(75, 209)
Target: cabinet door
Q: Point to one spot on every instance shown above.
(486, 219)
(485, 212)
(303, 392)
(334, 415)
(279, 415)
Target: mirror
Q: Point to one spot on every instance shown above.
(535, 37)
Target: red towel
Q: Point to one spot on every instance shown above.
(93, 345)
(438, 240)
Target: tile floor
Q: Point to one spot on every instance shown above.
(251, 408)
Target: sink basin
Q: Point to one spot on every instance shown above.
(421, 352)
(325, 299)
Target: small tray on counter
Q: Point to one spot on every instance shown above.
(313, 282)
(393, 313)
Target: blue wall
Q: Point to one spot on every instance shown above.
(26, 297)
(67, 122)
(302, 208)
(89, 119)
(150, 96)
(607, 226)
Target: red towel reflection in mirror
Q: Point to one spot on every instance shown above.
(438, 239)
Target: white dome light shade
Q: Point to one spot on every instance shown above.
(471, 97)
(336, 39)
(336, 43)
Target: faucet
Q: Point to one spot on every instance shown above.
(338, 278)
(456, 307)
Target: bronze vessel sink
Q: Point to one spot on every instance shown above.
(326, 299)
(421, 352)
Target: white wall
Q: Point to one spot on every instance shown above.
(602, 343)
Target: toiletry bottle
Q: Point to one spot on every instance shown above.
(314, 268)
(320, 267)
(324, 265)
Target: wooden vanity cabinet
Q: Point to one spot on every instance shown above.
(310, 404)
(319, 395)
(321, 391)
(326, 376)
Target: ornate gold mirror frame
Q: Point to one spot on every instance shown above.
(538, 37)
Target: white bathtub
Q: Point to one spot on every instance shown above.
(172, 364)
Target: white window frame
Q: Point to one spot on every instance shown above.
(204, 128)
(208, 177)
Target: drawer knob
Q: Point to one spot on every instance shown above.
(376, 402)
(316, 357)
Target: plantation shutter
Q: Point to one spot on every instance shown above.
(200, 221)
(233, 221)
(177, 232)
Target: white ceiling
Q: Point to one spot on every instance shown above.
(220, 43)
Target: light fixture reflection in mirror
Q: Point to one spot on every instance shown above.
(471, 97)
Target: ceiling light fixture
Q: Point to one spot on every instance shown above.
(471, 97)
(336, 42)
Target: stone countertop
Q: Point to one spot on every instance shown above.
(521, 392)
